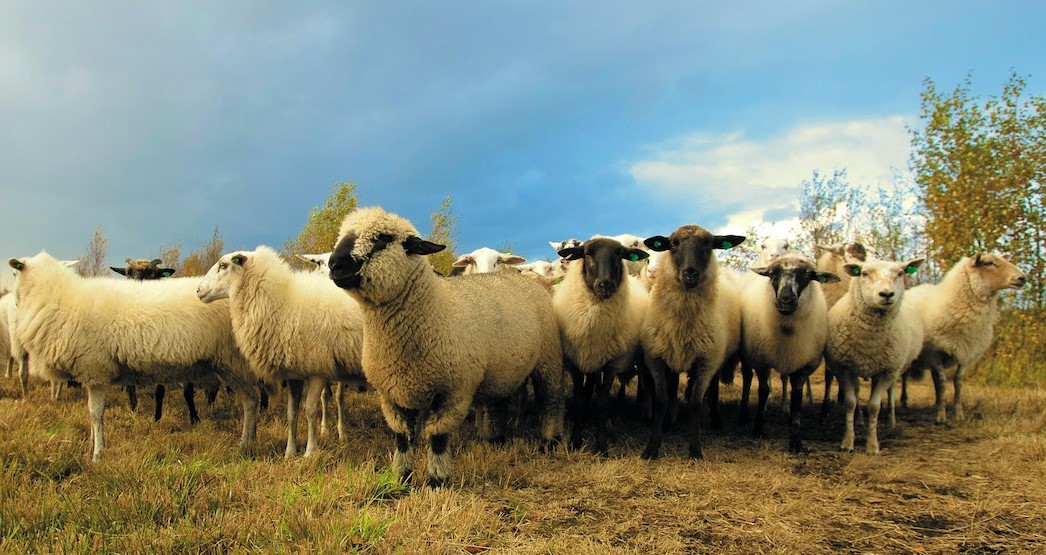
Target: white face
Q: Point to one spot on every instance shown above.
(540, 267)
(771, 249)
(654, 263)
(220, 281)
(485, 260)
(881, 282)
(320, 260)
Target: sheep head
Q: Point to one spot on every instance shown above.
(378, 254)
(772, 248)
(690, 248)
(879, 284)
(995, 273)
(143, 269)
(601, 264)
(319, 262)
(223, 278)
(789, 277)
(485, 260)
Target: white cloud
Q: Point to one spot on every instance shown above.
(747, 179)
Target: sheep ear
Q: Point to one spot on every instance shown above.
(727, 241)
(572, 253)
(826, 277)
(238, 259)
(417, 245)
(764, 271)
(912, 266)
(975, 260)
(166, 272)
(121, 271)
(852, 269)
(658, 243)
(16, 264)
(156, 261)
(462, 261)
(512, 259)
(834, 249)
(635, 255)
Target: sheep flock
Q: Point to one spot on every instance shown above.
(549, 338)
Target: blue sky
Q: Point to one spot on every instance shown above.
(544, 120)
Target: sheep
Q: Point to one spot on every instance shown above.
(959, 316)
(144, 269)
(290, 326)
(600, 309)
(6, 298)
(542, 268)
(685, 328)
(833, 259)
(18, 356)
(104, 331)
(784, 326)
(432, 346)
(872, 333)
(485, 260)
(319, 262)
(560, 245)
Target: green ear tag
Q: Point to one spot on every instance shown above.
(657, 244)
(633, 257)
(855, 272)
(910, 270)
(167, 274)
(728, 245)
(822, 279)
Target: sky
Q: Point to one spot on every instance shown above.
(544, 120)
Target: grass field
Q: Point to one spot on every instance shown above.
(978, 486)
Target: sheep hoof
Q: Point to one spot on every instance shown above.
(797, 448)
(696, 453)
(435, 483)
(651, 453)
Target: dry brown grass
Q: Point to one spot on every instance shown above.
(975, 487)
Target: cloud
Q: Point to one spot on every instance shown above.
(740, 180)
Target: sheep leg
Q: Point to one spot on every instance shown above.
(189, 394)
(849, 408)
(672, 390)
(95, 411)
(439, 460)
(880, 384)
(701, 379)
(938, 389)
(826, 403)
(132, 397)
(746, 391)
(603, 411)
(891, 416)
(763, 374)
(23, 374)
(9, 368)
(56, 390)
(339, 409)
(211, 394)
(250, 418)
(583, 386)
(548, 392)
(402, 422)
(784, 394)
(795, 428)
(809, 390)
(656, 380)
(294, 389)
(325, 395)
(957, 384)
(316, 386)
(158, 396)
(445, 416)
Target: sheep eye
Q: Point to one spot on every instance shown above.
(223, 266)
(385, 238)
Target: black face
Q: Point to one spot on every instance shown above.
(691, 248)
(144, 273)
(345, 269)
(601, 264)
(789, 279)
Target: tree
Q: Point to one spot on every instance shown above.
(321, 229)
(980, 168)
(201, 260)
(171, 256)
(92, 263)
(444, 232)
(827, 207)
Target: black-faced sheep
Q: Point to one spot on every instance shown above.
(685, 328)
(600, 309)
(784, 327)
(958, 316)
(432, 346)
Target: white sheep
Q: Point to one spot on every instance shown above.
(104, 331)
(600, 309)
(19, 358)
(872, 333)
(959, 316)
(542, 268)
(6, 299)
(432, 346)
(290, 326)
(318, 262)
(685, 329)
(784, 327)
(485, 260)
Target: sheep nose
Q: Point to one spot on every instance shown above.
(1021, 280)
(886, 295)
